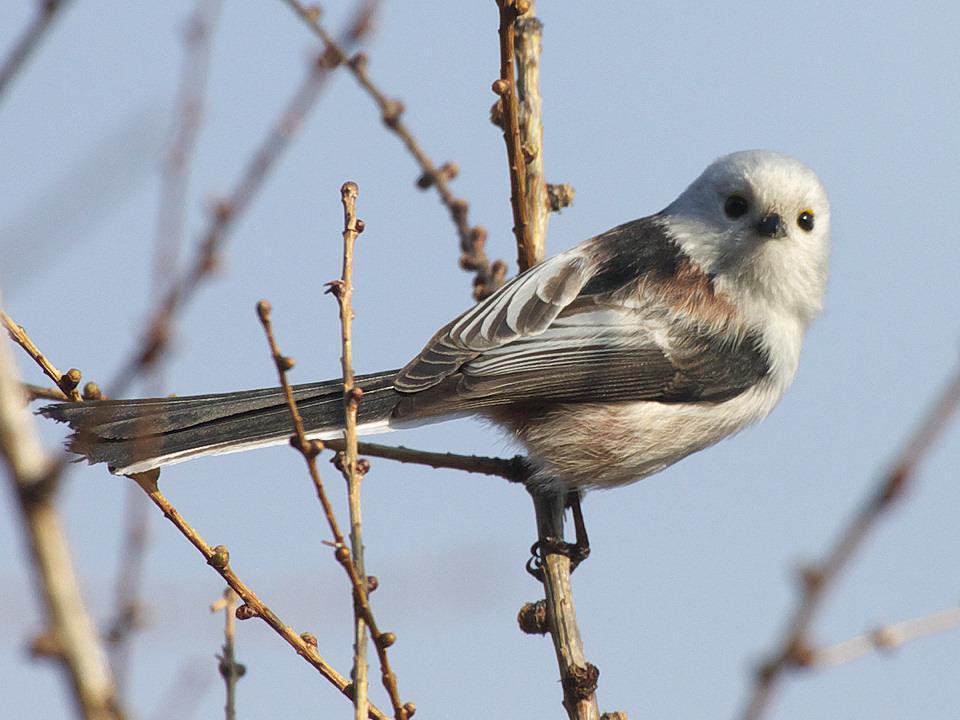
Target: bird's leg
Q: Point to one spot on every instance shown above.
(553, 543)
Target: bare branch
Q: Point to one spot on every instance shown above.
(352, 395)
(66, 382)
(514, 469)
(71, 637)
(156, 335)
(230, 669)
(488, 276)
(884, 638)
(309, 449)
(794, 648)
(219, 559)
(47, 12)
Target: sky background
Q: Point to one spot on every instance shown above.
(692, 571)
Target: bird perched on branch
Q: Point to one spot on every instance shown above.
(608, 362)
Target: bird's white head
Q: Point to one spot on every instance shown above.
(759, 223)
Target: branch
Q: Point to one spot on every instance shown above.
(514, 469)
(71, 637)
(488, 276)
(67, 383)
(310, 449)
(156, 335)
(794, 649)
(506, 88)
(219, 559)
(47, 12)
(349, 466)
(884, 638)
(230, 669)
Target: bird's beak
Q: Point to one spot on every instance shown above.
(772, 226)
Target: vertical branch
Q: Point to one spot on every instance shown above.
(71, 636)
(506, 88)
(522, 127)
(230, 669)
(527, 47)
(351, 400)
(309, 449)
(577, 676)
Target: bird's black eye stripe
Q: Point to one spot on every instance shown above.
(805, 220)
(736, 206)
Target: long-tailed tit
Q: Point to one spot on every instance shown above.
(609, 361)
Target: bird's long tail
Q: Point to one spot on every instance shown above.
(133, 436)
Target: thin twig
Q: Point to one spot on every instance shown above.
(33, 33)
(310, 449)
(473, 238)
(230, 670)
(66, 382)
(884, 638)
(794, 648)
(219, 559)
(513, 469)
(71, 637)
(352, 396)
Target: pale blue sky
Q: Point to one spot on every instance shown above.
(691, 574)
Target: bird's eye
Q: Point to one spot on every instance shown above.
(805, 220)
(735, 206)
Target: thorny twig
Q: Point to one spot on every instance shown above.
(219, 559)
(310, 449)
(794, 649)
(47, 12)
(488, 275)
(349, 466)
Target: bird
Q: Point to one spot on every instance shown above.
(608, 362)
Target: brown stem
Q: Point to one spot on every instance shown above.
(71, 637)
(29, 40)
(219, 559)
(488, 275)
(309, 449)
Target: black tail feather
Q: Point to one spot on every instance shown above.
(155, 431)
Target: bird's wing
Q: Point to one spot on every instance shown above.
(558, 333)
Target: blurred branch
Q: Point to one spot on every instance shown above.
(310, 449)
(33, 33)
(794, 649)
(230, 669)
(884, 638)
(488, 276)
(187, 117)
(352, 395)
(219, 559)
(71, 636)
(226, 212)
